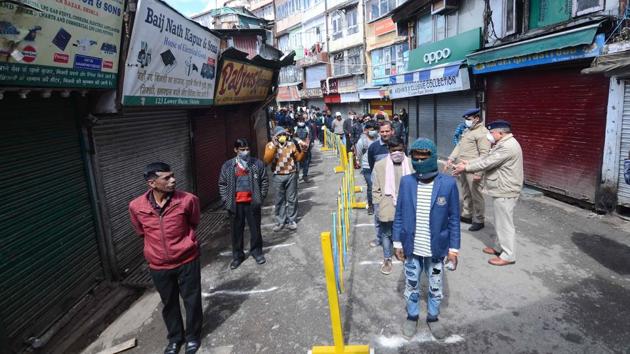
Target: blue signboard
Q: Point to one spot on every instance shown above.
(549, 57)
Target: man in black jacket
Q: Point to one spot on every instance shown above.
(243, 185)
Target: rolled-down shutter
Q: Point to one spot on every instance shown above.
(414, 120)
(124, 145)
(48, 248)
(426, 117)
(559, 117)
(210, 154)
(450, 107)
(623, 192)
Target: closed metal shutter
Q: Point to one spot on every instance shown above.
(623, 192)
(210, 153)
(317, 102)
(124, 145)
(48, 255)
(559, 117)
(426, 116)
(414, 120)
(450, 107)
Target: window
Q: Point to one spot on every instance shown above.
(436, 28)
(336, 26)
(349, 61)
(290, 74)
(283, 43)
(581, 7)
(339, 64)
(509, 17)
(424, 30)
(439, 25)
(351, 21)
(451, 24)
(389, 60)
(380, 8)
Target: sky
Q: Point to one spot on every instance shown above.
(191, 7)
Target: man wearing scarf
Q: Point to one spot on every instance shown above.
(425, 232)
(386, 180)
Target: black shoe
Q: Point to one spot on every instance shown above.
(476, 226)
(236, 263)
(370, 209)
(172, 348)
(465, 220)
(306, 179)
(192, 347)
(260, 259)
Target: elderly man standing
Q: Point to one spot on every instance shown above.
(473, 144)
(503, 181)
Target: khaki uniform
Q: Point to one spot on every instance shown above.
(473, 144)
(503, 181)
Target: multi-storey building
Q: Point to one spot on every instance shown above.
(314, 61)
(288, 35)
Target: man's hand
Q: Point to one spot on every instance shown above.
(449, 164)
(476, 178)
(400, 255)
(452, 258)
(461, 167)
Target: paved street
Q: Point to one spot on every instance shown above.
(569, 291)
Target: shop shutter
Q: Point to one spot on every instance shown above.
(450, 107)
(124, 145)
(49, 256)
(623, 192)
(238, 126)
(426, 117)
(558, 116)
(414, 120)
(210, 154)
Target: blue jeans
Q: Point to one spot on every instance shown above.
(367, 174)
(434, 269)
(377, 226)
(386, 239)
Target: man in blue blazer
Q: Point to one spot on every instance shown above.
(425, 231)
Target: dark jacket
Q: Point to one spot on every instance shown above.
(377, 151)
(259, 183)
(443, 217)
(169, 239)
(626, 170)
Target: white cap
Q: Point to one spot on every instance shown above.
(337, 114)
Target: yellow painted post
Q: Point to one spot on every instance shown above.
(326, 140)
(333, 303)
(342, 163)
(355, 189)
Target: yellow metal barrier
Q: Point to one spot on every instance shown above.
(339, 346)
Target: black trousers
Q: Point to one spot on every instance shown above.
(252, 215)
(185, 281)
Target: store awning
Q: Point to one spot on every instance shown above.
(566, 39)
(617, 64)
(350, 97)
(288, 94)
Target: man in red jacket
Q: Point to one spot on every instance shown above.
(166, 219)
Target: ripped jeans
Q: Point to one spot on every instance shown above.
(433, 268)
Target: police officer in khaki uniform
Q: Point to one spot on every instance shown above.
(503, 181)
(473, 144)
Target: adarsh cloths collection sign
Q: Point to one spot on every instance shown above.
(60, 43)
(171, 60)
(240, 82)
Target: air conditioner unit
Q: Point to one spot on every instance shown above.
(442, 6)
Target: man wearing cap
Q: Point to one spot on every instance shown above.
(337, 125)
(473, 144)
(283, 153)
(425, 231)
(503, 181)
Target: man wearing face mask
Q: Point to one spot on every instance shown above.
(369, 136)
(425, 232)
(284, 154)
(503, 181)
(303, 132)
(243, 186)
(385, 182)
(398, 127)
(472, 144)
(376, 152)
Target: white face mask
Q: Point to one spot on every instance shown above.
(469, 123)
(490, 138)
(301, 124)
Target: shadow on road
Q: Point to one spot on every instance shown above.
(609, 253)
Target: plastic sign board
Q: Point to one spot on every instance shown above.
(171, 60)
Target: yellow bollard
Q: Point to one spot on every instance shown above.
(325, 147)
(342, 151)
(355, 189)
(339, 346)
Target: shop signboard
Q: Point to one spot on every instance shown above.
(431, 86)
(171, 60)
(67, 44)
(445, 51)
(240, 83)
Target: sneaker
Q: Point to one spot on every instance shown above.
(374, 243)
(476, 226)
(409, 328)
(172, 348)
(292, 226)
(437, 329)
(277, 227)
(260, 259)
(386, 267)
(370, 209)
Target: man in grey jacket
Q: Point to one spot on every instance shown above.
(503, 181)
(243, 186)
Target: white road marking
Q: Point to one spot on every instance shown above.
(238, 292)
(399, 341)
(309, 188)
(282, 245)
(378, 262)
(364, 225)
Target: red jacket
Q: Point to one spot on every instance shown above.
(169, 240)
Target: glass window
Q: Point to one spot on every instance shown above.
(355, 64)
(424, 30)
(509, 14)
(351, 21)
(336, 26)
(374, 10)
(451, 24)
(439, 23)
(384, 7)
(581, 7)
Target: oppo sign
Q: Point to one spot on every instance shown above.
(434, 57)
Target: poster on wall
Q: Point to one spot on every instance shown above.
(69, 43)
(240, 83)
(171, 60)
